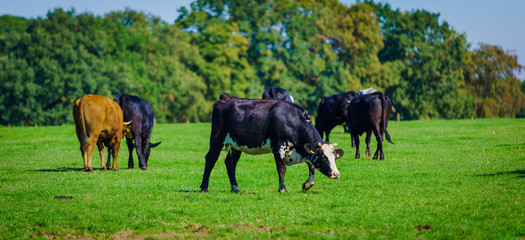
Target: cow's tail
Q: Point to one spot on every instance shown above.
(383, 118)
(154, 144)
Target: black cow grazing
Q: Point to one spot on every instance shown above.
(140, 111)
(369, 113)
(332, 111)
(277, 93)
(256, 126)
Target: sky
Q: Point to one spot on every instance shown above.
(500, 23)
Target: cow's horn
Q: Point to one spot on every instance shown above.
(335, 144)
(348, 101)
(127, 123)
(318, 144)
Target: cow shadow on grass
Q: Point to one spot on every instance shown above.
(62, 169)
(519, 173)
(218, 191)
(517, 145)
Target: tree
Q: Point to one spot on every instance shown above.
(490, 78)
(429, 55)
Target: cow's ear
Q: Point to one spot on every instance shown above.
(339, 153)
(309, 148)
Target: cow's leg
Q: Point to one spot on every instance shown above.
(231, 164)
(114, 151)
(379, 144)
(311, 178)
(356, 139)
(368, 137)
(129, 142)
(211, 159)
(84, 151)
(328, 131)
(147, 150)
(92, 142)
(281, 170)
(102, 154)
(139, 148)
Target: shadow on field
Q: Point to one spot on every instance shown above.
(218, 191)
(520, 173)
(517, 145)
(61, 169)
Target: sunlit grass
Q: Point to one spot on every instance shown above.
(441, 179)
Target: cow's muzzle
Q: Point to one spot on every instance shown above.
(335, 175)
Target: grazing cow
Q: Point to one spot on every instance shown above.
(99, 122)
(369, 113)
(257, 126)
(277, 93)
(332, 111)
(140, 112)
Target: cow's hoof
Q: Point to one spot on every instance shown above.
(307, 186)
(131, 166)
(114, 169)
(235, 189)
(358, 156)
(144, 168)
(204, 190)
(283, 190)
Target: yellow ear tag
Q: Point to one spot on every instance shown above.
(312, 152)
(337, 155)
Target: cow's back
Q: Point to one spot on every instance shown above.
(137, 110)
(254, 121)
(364, 111)
(98, 114)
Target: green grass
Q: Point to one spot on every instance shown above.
(454, 179)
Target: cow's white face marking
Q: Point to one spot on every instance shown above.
(290, 156)
(264, 148)
(328, 151)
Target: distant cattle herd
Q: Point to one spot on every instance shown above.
(274, 124)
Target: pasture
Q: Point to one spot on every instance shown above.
(445, 179)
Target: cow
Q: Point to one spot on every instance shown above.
(140, 112)
(277, 93)
(369, 113)
(256, 126)
(332, 111)
(99, 122)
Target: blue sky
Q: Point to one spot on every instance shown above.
(492, 22)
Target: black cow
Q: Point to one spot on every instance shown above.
(332, 111)
(277, 93)
(369, 113)
(257, 126)
(140, 111)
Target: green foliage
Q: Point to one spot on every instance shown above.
(475, 192)
(430, 55)
(496, 90)
(58, 59)
(311, 48)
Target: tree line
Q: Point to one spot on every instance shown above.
(242, 47)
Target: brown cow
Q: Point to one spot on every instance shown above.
(99, 121)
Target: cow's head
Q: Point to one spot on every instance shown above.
(126, 130)
(323, 156)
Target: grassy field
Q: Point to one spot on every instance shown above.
(443, 179)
